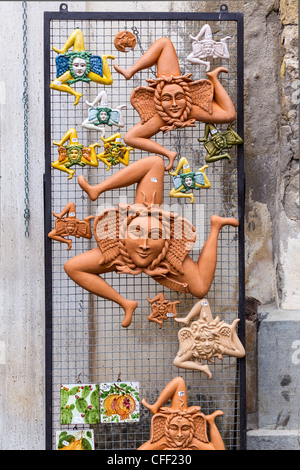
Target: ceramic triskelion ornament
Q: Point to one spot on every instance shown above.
(206, 339)
(74, 153)
(215, 142)
(204, 46)
(79, 66)
(162, 309)
(100, 114)
(185, 180)
(67, 225)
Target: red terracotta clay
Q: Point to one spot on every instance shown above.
(143, 237)
(206, 339)
(125, 41)
(67, 225)
(173, 101)
(179, 427)
(162, 309)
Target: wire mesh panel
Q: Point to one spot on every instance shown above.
(85, 340)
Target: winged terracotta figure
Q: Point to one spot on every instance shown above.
(206, 339)
(172, 100)
(179, 427)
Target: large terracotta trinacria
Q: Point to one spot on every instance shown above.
(66, 225)
(179, 427)
(173, 101)
(79, 66)
(205, 339)
(144, 238)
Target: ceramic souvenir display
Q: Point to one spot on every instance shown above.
(205, 339)
(79, 66)
(173, 101)
(115, 152)
(74, 153)
(185, 180)
(162, 309)
(179, 427)
(79, 404)
(75, 440)
(144, 238)
(125, 41)
(120, 402)
(215, 142)
(204, 46)
(67, 225)
(100, 114)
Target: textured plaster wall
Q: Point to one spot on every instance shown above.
(272, 191)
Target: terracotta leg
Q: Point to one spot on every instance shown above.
(60, 239)
(170, 391)
(139, 137)
(147, 172)
(215, 436)
(162, 53)
(84, 270)
(220, 95)
(207, 261)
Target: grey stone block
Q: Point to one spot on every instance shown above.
(266, 439)
(279, 369)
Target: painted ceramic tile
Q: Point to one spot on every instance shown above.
(79, 404)
(75, 440)
(120, 402)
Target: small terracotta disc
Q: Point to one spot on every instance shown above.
(125, 41)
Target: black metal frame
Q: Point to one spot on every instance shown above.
(224, 15)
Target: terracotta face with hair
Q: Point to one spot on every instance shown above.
(173, 100)
(205, 342)
(145, 240)
(180, 431)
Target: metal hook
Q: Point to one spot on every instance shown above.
(223, 7)
(64, 7)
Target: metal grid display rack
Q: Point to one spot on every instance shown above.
(84, 338)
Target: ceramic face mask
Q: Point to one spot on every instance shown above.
(79, 66)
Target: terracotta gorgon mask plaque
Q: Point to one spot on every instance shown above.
(206, 339)
(179, 427)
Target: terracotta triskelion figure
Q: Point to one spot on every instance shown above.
(144, 238)
(173, 101)
(179, 427)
